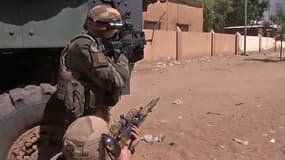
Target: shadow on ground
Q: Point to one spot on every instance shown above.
(266, 60)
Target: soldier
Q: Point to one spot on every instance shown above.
(83, 141)
(90, 82)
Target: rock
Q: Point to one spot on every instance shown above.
(172, 144)
(159, 138)
(148, 138)
(214, 113)
(170, 64)
(163, 121)
(155, 139)
(222, 147)
(177, 101)
(272, 140)
(239, 141)
(180, 117)
(239, 104)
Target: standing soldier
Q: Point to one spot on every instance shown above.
(90, 82)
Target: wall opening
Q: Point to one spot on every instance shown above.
(182, 27)
(152, 25)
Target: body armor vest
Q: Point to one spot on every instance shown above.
(69, 89)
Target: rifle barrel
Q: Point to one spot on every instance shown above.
(152, 104)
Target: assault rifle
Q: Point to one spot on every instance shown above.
(131, 40)
(123, 129)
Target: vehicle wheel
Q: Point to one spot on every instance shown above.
(31, 123)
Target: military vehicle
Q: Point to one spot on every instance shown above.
(32, 35)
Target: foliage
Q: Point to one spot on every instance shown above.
(220, 13)
(215, 14)
(255, 9)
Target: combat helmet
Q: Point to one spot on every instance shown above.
(82, 139)
(103, 21)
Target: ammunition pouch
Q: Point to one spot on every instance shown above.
(75, 98)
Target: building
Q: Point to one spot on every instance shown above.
(253, 30)
(173, 16)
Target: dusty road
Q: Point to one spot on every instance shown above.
(223, 99)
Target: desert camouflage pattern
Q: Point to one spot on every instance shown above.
(82, 140)
(91, 86)
(69, 89)
(103, 13)
(90, 82)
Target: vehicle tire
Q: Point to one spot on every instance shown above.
(23, 109)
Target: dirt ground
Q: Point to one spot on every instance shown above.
(209, 104)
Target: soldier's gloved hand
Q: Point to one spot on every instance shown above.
(136, 134)
(122, 66)
(126, 153)
(129, 143)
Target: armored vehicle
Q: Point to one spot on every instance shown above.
(32, 35)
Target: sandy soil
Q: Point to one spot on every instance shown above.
(223, 98)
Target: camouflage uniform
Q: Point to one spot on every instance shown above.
(89, 81)
(82, 140)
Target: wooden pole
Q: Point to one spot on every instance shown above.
(245, 28)
(281, 49)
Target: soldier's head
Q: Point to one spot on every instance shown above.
(103, 21)
(82, 139)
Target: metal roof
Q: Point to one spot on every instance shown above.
(250, 26)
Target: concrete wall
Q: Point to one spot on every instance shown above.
(267, 43)
(193, 44)
(224, 44)
(192, 16)
(278, 44)
(154, 12)
(182, 45)
(256, 43)
(163, 46)
(175, 14)
(252, 43)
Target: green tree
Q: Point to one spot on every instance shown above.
(208, 15)
(215, 14)
(255, 10)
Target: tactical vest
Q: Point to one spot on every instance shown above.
(69, 89)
